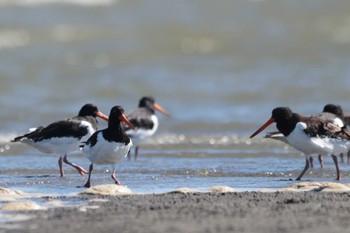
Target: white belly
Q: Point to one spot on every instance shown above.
(139, 136)
(54, 145)
(60, 145)
(104, 152)
(315, 145)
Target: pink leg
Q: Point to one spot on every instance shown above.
(311, 161)
(81, 170)
(114, 178)
(336, 166)
(87, 184)
(136, 152)
(129, 155)
(60, 164)
(320, 159)
(341, 157)
(307, 165)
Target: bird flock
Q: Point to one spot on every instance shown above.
(106, 146)
(321, 134)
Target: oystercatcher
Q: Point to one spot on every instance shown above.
(330, 112)
(145, 121)
(64, 136)
(110, 145)
(310, 135)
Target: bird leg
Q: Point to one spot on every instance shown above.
(114, 178)
(136, 152)
(348, 156)
(320, 159)
(311, 161)
(129, 155)
(87, 184)
(60, 164)
(81, 170)
(336, 166)
(341, 157)
(307, 165)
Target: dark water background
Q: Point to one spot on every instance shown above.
(219, 67)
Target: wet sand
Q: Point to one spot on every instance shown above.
(188, 211)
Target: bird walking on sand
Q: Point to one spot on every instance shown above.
(110, 145)
(62, 137)
(145, 121)
(310, 135)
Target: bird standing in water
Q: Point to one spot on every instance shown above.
(310, 135)
(145, 121)
(331, 112)
(62, 137)
(110, 145)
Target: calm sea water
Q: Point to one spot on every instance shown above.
(219, 67)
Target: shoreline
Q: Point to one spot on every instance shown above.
(222, 210)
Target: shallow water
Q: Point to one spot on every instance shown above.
(219, 68)
(166, 166)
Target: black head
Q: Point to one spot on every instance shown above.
(282, 114)
(91, 110)
(116, 116)
(88, 110)
(284, 118)
(147, 102)
(334, 109)
(115, 113)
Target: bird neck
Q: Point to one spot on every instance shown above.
(286, 126)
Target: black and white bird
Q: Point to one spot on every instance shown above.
(62, 137)
(331, 112)
(110, 145)
(145, 121)
(310, 135)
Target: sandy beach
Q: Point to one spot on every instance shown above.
(321, 208)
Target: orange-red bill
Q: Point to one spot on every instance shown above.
(123, 118)
(264, 126)
(102, 115)
(160, 109)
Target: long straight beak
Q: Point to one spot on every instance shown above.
(264, 126)
(102, 115)
(160, 109)
(123, 118)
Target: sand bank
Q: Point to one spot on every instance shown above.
(323, 207)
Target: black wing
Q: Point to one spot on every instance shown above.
(92, 140)
(140, 118)
(67, 128)
(326, 128)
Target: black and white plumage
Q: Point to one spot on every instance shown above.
(145, 121)
(62, 137)
(110, 145)
(310, 135)
(331, 112)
